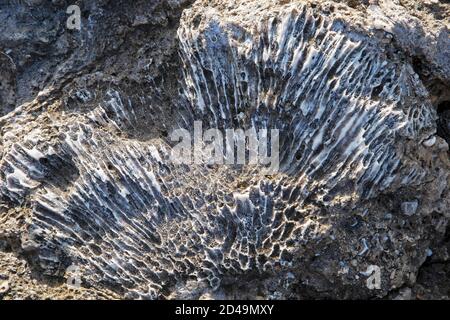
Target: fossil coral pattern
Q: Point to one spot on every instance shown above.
(142, 226)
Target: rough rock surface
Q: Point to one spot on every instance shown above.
(358, 89)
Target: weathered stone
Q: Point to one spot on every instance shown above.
(86, 178)
(4, 287)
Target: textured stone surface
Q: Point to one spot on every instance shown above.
(85, 175)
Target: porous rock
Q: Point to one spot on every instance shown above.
(86, 177)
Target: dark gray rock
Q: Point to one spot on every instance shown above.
(86, 178)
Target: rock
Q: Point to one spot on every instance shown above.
(430, 142)
(405, 294)
(30, 246)
(410, 208)
(140, 20)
